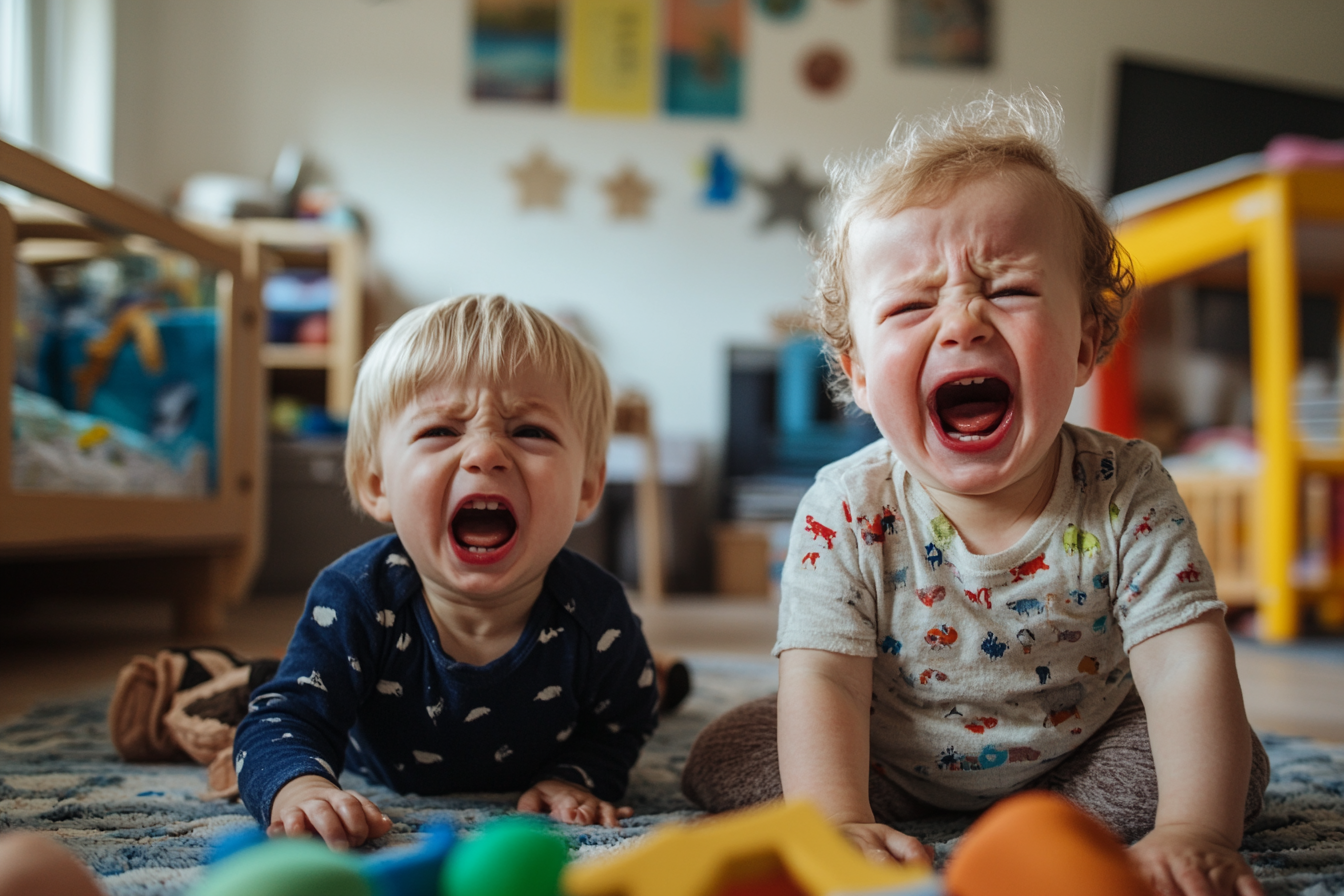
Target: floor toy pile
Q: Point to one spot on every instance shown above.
(1032, 844)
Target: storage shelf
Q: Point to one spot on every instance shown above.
(273, 244)
(1331, 463)
(285, 356)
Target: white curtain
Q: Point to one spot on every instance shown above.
(56, 81)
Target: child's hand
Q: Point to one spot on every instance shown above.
(311, 804)
(571, 804)
(880, 843)
(1182, 859)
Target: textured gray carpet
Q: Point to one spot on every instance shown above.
(146, 830)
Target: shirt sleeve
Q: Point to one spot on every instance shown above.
(619, 714)
(298, 723)
(1165, 580)
(826, 600)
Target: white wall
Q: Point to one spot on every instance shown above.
(378, 93)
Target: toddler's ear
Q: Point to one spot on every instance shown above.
(858, 380)
(590, 491)
(373, 499)
(1089, 347)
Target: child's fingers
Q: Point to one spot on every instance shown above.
(378, 822)
(1247, 885)
(874, 853)
(353, 819)
(532, 801)
(294, 823)
(324, 819)
(609, 816)
(906, 849)
(1197, 880)
(563, 807)
(1159, 875)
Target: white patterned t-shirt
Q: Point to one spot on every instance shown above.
(990, 668)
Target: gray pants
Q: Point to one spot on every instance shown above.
(735, 763)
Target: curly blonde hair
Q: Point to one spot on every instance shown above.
(471, 335)
(924, 161)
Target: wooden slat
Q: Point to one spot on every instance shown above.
(36, 175)
(8, 312)
(1220, 505)
(288, 356)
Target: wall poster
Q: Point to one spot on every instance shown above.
(943, 33)
(704, 57)
(515, 50)
(609, 56)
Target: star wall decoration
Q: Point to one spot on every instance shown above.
(790, 198)
(541, 183)
(629, 193)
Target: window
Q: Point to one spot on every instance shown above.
(56, 72)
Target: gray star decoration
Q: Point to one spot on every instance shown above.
(790, 198)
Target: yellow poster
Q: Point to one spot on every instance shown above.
(610, 56)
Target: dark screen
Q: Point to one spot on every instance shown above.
(1169, 121)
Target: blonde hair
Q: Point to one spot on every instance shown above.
(471, 335)
(925, 161)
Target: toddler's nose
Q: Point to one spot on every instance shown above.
(965, 323)
(484, 453)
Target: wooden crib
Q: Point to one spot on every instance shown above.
(1222, 506)
(200, 552)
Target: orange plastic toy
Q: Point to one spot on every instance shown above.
(1039, 844)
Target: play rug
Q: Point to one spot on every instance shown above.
(145, 830)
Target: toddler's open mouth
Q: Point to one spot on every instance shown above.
(482, 527)
(973, 408)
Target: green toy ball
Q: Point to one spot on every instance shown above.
(510, 857)
(285, 867)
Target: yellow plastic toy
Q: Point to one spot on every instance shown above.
(777, 849)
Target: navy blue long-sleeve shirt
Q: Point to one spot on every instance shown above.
(366, 682)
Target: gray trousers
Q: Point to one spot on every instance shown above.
(734, 763)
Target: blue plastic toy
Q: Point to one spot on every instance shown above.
(512, 856)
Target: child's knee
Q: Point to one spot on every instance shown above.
(734, 762)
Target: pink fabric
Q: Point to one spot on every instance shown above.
(1290, 151)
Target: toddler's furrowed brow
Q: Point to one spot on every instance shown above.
(521, 407)
(508, 409)
(441, 410)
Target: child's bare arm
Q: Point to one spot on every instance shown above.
(1201, 746)
(824, 700)
(310, 804)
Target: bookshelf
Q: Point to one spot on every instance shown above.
(275, 244)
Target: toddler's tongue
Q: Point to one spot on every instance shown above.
(974, 407)
(483, 528)
(973, 416)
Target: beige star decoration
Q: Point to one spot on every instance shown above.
(629, 193)
(541, 182)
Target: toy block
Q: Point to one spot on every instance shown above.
(776, 850)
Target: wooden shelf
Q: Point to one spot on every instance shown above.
(1315, 460)
(270, 244)
(283, 356)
